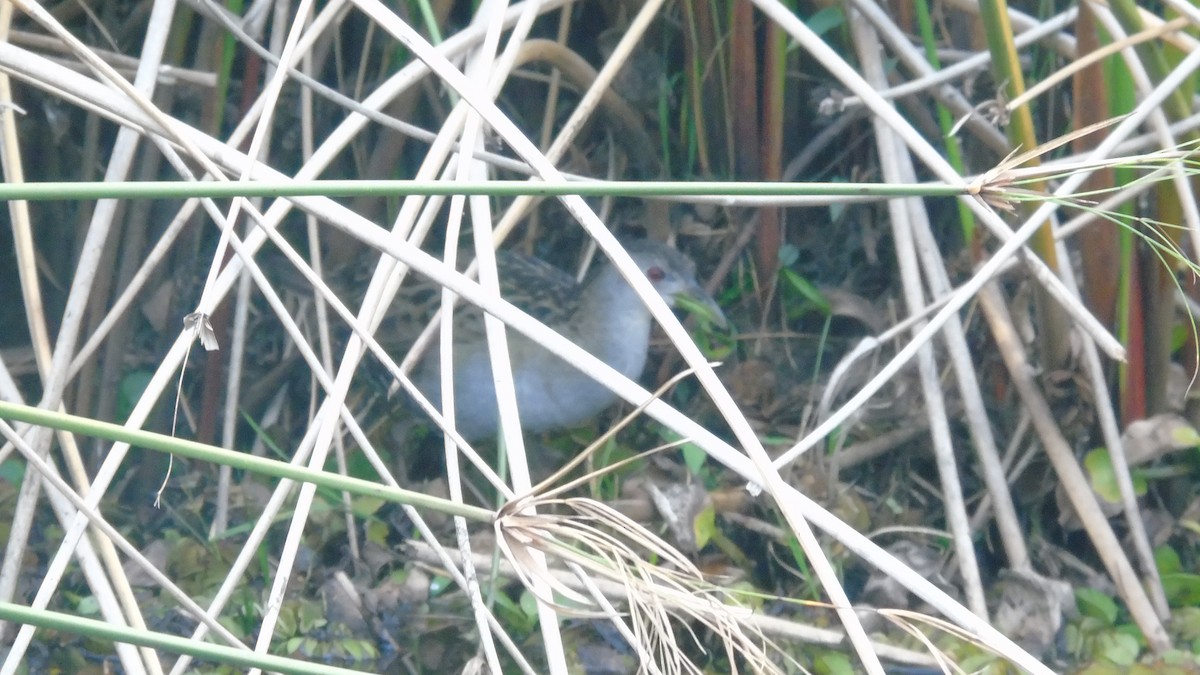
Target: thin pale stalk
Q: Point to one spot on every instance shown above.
(933, 159)
(1071, 475)
(1061, 42)
(351, 223)
(768, 625)
(946, 95)
(61, 490)
(929, 79)
(117, 170)
(426, 265)
(121, 635)
(479, 69)
(895, 164)
(1053, 329)
(658, 307)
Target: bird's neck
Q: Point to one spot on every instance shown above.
(613, 322)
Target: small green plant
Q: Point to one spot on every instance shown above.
(1102, 632)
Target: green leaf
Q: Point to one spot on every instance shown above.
(1093, 603)
(311, 615)
(1120, 648)
(88, 606)
(694, 457)
(1183, 590)
(703, 313)
(12, 471)
(788, 255)
(360, 650)
(529, 605)
(129, 391)
(1104, 480)
(364, 506)
(377, 531)
(704, 525)
(805, 289)
(1167, 560)
(833, 663)
(439, 584)
(826, 20)
(1185, 435)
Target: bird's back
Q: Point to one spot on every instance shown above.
(603, 315)
(538, 288)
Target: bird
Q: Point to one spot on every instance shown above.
(603, 315)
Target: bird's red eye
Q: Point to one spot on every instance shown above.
(655, 273)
